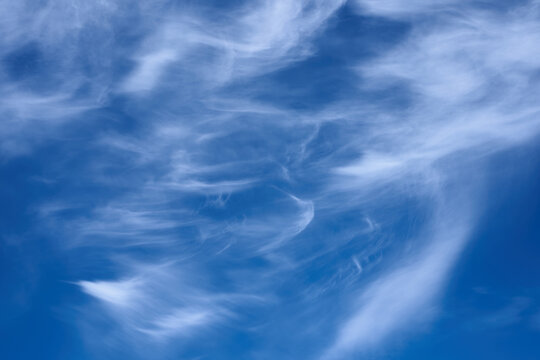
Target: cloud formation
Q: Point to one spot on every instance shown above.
(206, 184)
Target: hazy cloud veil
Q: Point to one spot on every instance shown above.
(259, 179)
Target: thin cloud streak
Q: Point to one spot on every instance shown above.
(158, 300)
(260, 38)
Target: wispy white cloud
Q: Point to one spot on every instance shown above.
(467, 76)
(402, 298)
(28, 118)
(180, 322)
(159, 300)
(122, 293)
(257, 38)
(399, 9)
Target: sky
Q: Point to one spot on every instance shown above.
(269, 179)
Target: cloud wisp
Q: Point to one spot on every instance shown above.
(255, 39)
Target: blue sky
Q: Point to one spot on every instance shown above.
(322, 179)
